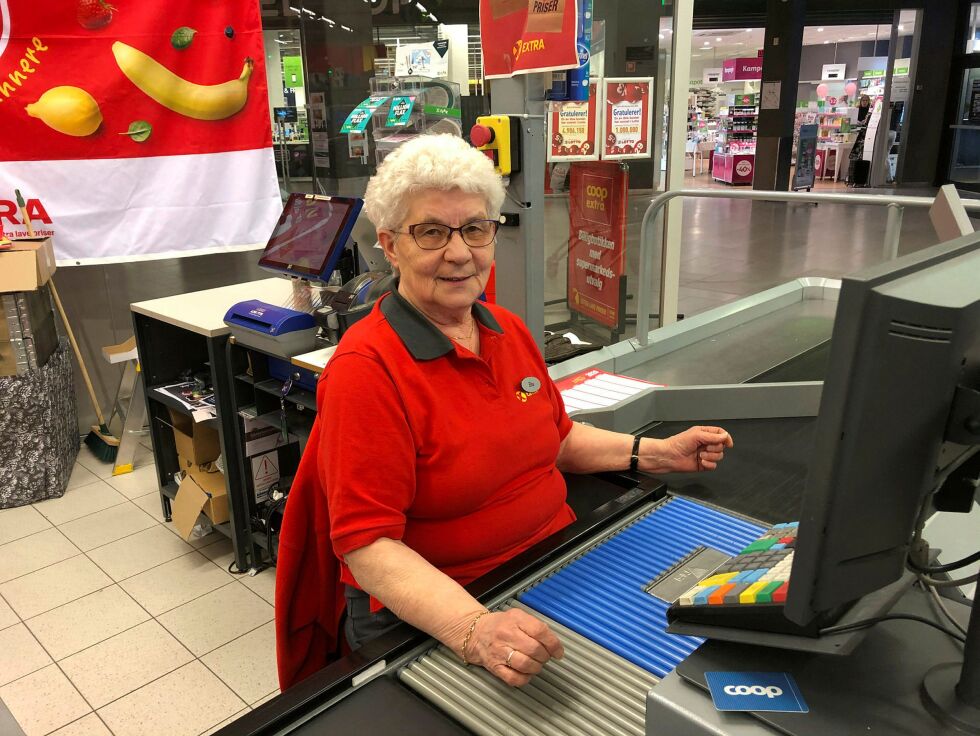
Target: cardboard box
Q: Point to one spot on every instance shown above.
(27, 264)
(199, 491)
(196, 443)
(260, 436)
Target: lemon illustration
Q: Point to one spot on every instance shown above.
(69, 110)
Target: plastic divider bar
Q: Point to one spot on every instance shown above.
(600, 594)
(590, 692)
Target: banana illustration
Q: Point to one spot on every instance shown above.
(198, 101)
(69, 110)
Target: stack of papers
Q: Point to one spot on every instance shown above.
(595, 389)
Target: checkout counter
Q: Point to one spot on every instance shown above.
(622, 673)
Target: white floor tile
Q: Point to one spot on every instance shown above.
(90, 725)
(81, 476)
(176, 582)
(248, 664)
(221, 553)
(124, 663)
(107, 526)
(20, 522)
(186, 702)
(138, 552)
(264, 584)
(93, 464)
(34, 552)
(215, 729)
(143, 456)
(43, 701)
(141, 481)
(87, 621)
(150, 503)
(79, 502)
(55, 585)
(7, 615)
(22, 655)
(216, 618)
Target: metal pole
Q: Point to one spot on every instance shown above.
(893, 231)
(879, 157)
(644, 291)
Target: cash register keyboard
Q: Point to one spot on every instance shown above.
(748, 591)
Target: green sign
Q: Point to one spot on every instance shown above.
(446, 112)
(400, 112)
(360, 116)
(292, 71)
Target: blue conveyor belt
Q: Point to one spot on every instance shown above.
(600, 594)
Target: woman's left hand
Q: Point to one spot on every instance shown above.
(695, 449)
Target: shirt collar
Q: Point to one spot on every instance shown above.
(422, 338)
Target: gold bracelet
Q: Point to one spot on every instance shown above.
(469, 633)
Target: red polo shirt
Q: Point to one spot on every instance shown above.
(425, 442)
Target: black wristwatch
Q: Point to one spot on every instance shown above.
(635, 454)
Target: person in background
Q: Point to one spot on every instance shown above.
(440, 441)
(864, 108)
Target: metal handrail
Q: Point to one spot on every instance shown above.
(896, 208)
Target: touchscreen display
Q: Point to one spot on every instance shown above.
(310, 234)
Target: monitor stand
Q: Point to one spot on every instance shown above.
(877, 689)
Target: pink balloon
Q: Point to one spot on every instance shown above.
(822, 90)
(851, 89)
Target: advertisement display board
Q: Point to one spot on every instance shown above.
(806, 158)
(141, 132)
(627, 125)
(524, 36)
(597, 242)
(573, 129)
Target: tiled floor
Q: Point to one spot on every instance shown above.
(111, 624)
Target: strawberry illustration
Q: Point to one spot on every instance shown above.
(94, 14)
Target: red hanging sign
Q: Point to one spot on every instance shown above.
(524, 36)
(597, 240)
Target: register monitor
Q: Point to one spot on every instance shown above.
(311, 236)
(899, 420)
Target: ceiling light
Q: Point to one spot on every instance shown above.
(901, 27)
(661, 37)
(349, 30)
(820, 30)
(295, 10)
(706, 43)
(826, 41)
(421, 7)
(282, 42)
(433, 17)
(748, 30)
(718, 40)
(331, 22)
(307, 10)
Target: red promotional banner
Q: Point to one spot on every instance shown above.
(142, 128)
(573, 129)
(627, 122)
(597, 240)
(524, 36)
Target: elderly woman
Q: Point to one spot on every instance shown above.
(440, 441)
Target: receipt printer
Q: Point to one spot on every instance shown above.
(271, 329)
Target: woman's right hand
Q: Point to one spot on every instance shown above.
(512, 645)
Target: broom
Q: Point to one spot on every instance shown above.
(100, 440)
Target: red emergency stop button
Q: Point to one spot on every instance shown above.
(481, 135)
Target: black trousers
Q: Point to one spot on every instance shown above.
(361, 625)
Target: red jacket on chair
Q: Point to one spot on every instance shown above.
(309, 593)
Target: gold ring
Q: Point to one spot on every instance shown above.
(509, 657)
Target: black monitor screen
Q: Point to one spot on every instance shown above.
(310, 236)
(906, 337)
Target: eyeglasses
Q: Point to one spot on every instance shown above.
(435, 235)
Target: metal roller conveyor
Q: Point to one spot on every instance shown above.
(590, 692)
(612, 630)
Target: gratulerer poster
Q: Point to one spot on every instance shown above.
(573, 130)
(627, 122)
(597, 240)
(524, 36)
(138, 129)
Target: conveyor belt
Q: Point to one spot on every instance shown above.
(589, 692)
(613, 633)
(600, 594)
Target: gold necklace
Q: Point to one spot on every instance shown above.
(468, 335)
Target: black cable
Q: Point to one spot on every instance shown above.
(892, 617)
(975, 557)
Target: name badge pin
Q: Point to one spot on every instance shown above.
(530, 385)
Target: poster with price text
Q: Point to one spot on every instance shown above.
(573, 129)
(525, 36)
(597, 240)
(627, 122)
(136, 130)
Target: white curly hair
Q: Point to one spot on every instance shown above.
(433, 161)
